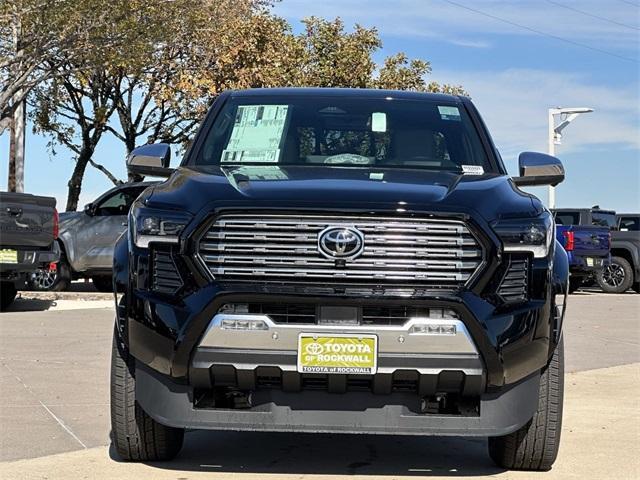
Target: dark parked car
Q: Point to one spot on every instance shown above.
(345, 261)
(585, 233)
(87, 239)
(624, 271)
(28, 229)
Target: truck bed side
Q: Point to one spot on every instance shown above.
(26, 221)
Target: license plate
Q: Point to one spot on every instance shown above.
(8, 256)
(590, 262)
(339, 353)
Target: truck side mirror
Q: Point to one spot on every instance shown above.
(152, 159)
(89, 209)
(539, 169)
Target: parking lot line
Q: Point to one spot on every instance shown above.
(53, 415)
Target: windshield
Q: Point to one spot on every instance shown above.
(603, 219)
(339, 131)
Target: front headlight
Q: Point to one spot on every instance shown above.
(527, 234)
(156, 226)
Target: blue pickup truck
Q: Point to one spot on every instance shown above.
(585, 233)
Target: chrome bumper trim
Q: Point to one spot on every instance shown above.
(391, 339)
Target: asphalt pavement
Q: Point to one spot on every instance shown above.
(54, 412)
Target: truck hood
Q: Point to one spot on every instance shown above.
(193, 189)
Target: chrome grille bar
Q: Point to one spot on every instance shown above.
(267, 247)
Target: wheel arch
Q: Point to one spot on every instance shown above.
(559, 292)
(627, 251)
(120, 279)
(67, 248)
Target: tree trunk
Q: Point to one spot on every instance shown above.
(75, 182)
(18, 131)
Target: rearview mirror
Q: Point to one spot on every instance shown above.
(539, 169)
(152, 159)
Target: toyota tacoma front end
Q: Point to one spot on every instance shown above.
(344, 261)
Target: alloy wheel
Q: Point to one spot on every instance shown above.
(613, 275)
(45, 279)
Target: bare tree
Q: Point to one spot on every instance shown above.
(75, 109)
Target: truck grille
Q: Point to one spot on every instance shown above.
(515, 283)
(437, 253)
(164, 273)
(310, 314)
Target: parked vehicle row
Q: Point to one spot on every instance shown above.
(624, 270)
(28, 232)
(87, 239)
(346, 261)
(603, 248)
(585, 234)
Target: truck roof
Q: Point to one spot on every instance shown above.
(582, 210)
(346, 92)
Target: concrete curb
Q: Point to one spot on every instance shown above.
(84, 296)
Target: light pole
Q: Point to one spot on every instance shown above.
(567, 115)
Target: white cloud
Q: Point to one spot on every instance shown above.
(455, 24)
(514, 104)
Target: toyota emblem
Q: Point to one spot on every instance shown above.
(341, 242)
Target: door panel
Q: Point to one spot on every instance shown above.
(95, 251)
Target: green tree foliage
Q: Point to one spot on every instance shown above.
(154, 67)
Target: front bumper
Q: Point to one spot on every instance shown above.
(407, 357)
(172, 404)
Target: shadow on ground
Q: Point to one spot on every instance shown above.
(590, 291)
(326, 454)
(31, 305)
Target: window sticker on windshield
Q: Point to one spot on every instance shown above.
(472, 169)
(449, 113)
(258, 172)
(257, 134)
(378, 122)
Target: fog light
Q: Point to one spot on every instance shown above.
(448, 329)
(234, 308)
(433, 329)
(233, 324)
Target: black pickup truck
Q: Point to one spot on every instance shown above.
(28, 230)
(624, 271)
(343, 261)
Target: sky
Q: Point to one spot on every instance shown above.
(515, 58)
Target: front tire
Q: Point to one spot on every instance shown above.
(574, 284)
(8, 294)
(102, 283)
(616, 277)
(58, 280)
(136, 436)
(535, 445)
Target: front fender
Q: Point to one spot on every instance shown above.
(67, 241)
(559, 291)
(560, 277)
(121, 264)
